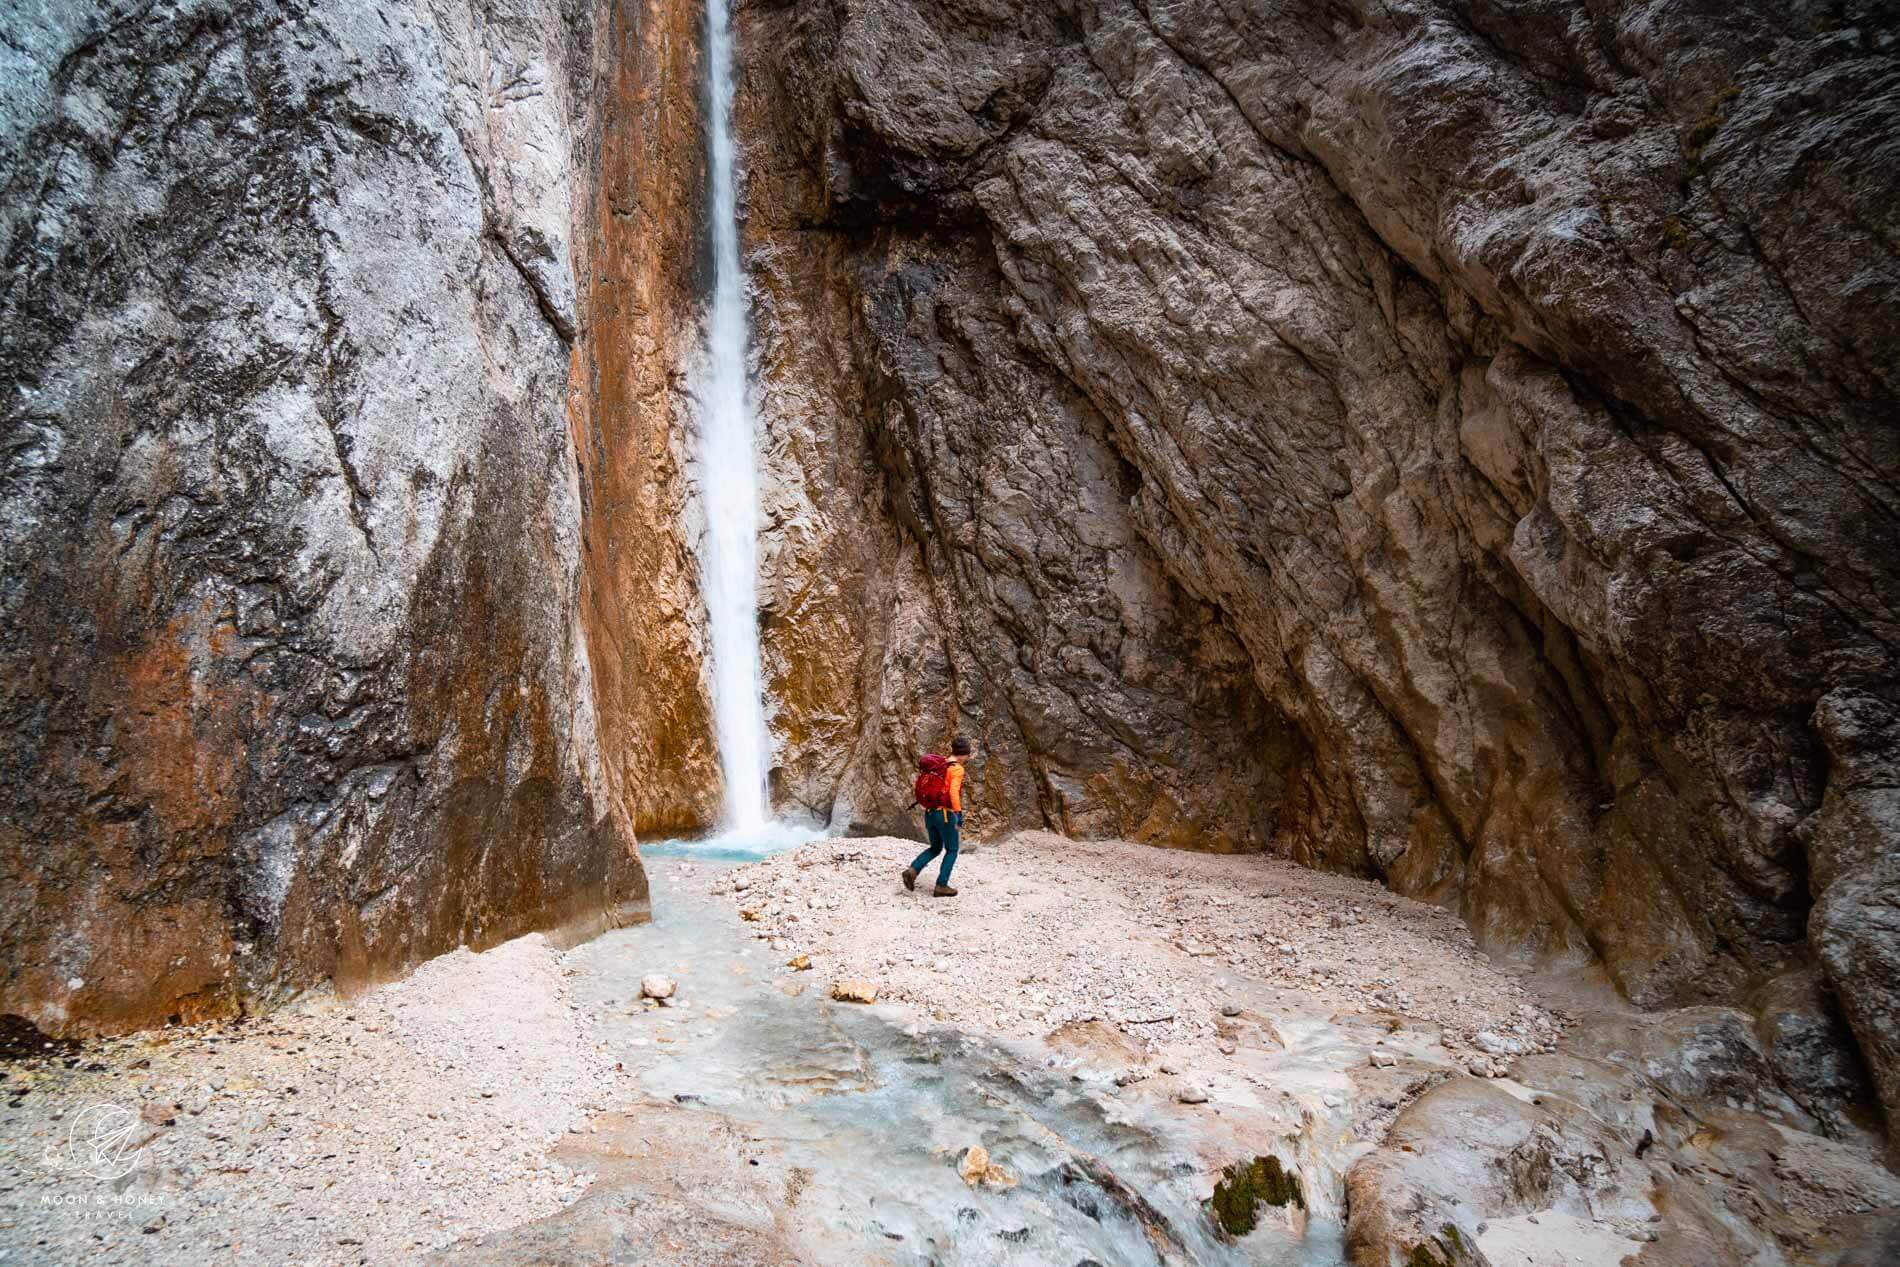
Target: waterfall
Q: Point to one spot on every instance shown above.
(729, 471)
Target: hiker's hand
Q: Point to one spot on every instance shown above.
(959, 818)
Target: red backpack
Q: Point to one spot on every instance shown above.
(932, 788)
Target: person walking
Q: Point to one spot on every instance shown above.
(939, 790)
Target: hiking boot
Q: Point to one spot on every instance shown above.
(910, 879)
(944, 890)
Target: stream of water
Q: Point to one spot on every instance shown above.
(728, 471)
(875, 1115)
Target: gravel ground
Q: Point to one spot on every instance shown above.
(1048, 932)
(333, 1131)
(421, 1113)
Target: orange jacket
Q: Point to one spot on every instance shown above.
(954, 776)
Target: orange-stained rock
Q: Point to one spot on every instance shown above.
(637, 260)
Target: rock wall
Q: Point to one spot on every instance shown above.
(293, 677)
(1442, 440)
(953, 541)
(641, 258)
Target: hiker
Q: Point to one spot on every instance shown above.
(939, 790)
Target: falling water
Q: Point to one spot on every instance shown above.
(729, 474)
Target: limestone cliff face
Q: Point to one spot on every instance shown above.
(639, 259)
(294, 680)
(1438, 439)
(952, 541)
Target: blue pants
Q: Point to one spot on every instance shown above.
(941, 825)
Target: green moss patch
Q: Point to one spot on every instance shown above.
(1447, 1249)
(1243, 1186)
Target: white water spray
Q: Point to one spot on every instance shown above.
(729, 472)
